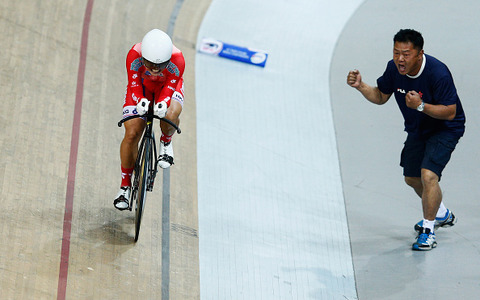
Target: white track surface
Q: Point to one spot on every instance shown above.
(271, 209)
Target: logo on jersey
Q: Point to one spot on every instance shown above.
(172, 68)
(136, 64)
(134, 76)
(173, 81)
(402, 91)
(178, 97)
(134, 97)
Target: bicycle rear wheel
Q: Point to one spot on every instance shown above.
(142, 187)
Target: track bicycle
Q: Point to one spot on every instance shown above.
(146, 164)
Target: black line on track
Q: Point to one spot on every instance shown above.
(166, 190)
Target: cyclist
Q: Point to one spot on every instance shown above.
(155, 77)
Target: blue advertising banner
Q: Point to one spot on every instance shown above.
(238, 53)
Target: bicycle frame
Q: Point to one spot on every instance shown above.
(148, 137)
(146, 164)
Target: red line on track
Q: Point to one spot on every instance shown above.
(72, 165)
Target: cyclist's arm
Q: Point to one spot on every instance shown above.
(174, 73)
(133, 65)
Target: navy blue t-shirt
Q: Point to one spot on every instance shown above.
(435, 85)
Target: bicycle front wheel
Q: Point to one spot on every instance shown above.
(142, 187)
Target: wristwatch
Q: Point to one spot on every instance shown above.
(421, 106)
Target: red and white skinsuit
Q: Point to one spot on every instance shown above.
(166, 86)
(141, 84)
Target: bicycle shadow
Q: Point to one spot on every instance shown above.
(117, 228)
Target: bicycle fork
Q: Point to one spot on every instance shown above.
(152, 172)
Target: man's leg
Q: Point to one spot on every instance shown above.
(431, 199)
(432, 194)
(442, 214)
(416, 184)
(438, 151)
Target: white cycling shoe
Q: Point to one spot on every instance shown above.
(165, 159)
(123, 196)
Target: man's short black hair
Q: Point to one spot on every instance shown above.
(409, 35)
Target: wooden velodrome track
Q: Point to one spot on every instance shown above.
(63, 81)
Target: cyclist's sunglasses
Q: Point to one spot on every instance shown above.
(153, 66)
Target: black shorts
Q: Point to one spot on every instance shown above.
(432, 154)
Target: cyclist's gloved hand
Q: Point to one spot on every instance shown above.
(142, 106)
(160, 109)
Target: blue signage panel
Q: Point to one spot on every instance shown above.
(238, 53)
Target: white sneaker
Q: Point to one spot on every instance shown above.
(123, 196)
(165, 159)
(448, 221)
(425, 240)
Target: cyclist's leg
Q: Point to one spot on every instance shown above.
(173, 113)
(128, 155)
(128, 151)
(133, 133)
(129, 146)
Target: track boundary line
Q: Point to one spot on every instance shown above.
(72, 164)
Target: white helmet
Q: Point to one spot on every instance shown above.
(157, 46)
